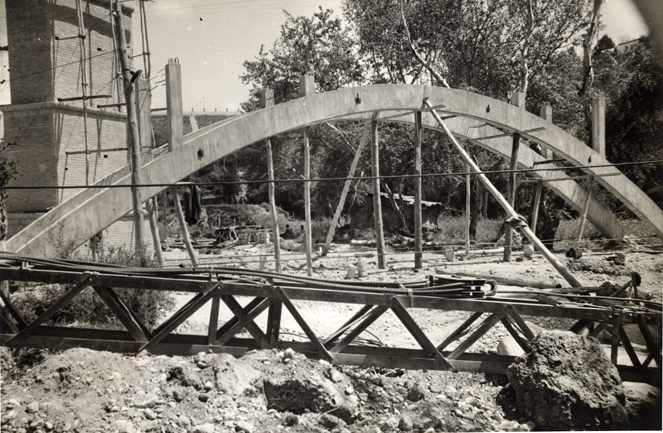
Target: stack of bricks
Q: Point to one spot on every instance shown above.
(253, 236)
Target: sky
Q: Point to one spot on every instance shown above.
(212, 38)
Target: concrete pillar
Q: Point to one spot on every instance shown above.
(306, 88)
(306, 85)
(174, 103)
(598, 124)
(143, 114)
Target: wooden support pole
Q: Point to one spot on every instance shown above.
(267, 100)
(133, 133)
(306, 86)
(184, 228)
(418, 220)
(346, 189)
(154, 228)
(174, 103)
(377, 200)
(568, 276)
(468, 216)
(546, 113)
(598, 124)
(536, 204)
(82, 38)
(143, 111)
(585, 208)
(518, 101)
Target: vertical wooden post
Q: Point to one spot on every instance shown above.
(267, 100)
(133, 133)
(518, 101)
(174, 103)
(598, 124)
(154, 228)
(536, 204)
(186, 239)
(377, 200)
(418, 241)
(82, 37)
(468, 197)
(585, 208)
(306, 87)
(143, 111)
(346, 189)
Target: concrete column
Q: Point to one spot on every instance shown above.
(307, 87)
(267, 100)
(174, 103)
(598, 124)
(518, 100)
(143, 114)
(546, 113)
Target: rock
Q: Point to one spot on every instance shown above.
(185, 378)
(121, 426)
(119, 423)
(150, 414)
(416, 393)
(243, 426)
(183, 421)
(203, 428)
(178, 393)
(203, 397)
(331, 422)
(288, 353)
(335, 376)
(566, 382)
(390, 424)
(32, 407)
(150, 401)
(208, 386)
(643, 405)
(290, 420)
(48, 425)
(8, 417)
(349, 390)
(234, 377)
(405, 423)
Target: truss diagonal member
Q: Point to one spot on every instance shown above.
(653, 347)
(509, 327)
(186, 307)
(359, 315)
(135, 327)
(459, 332)
(233, 321)
(580, 325)
(324, 353)
(213, 320)
(614, 349)
(87, 280)
(375, 313)
(417, 333)
(243, 322)
(598, 329)
(511, 213)
(12, 311)
(478, 333)
(524, 328)
(240, 314)
(5, 318)
(180, 317)
(629, 348)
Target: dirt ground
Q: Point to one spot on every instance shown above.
(87, 391)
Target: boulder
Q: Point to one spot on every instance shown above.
(643, 405)
(566, 382)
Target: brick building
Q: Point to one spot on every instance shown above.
(47, 133)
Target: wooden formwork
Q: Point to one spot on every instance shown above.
(270, 295)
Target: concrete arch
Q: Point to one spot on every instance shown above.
(96, 208)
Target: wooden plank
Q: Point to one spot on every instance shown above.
(478, 333)
(347, 325)
(629, 348)
(179, 319)
(243, 322)
(87, 279)
(302, 323)
(346, 188)
(578, 327)
(174, 104)
(376, 312)
(614, 349)
(12, 311)
(417, 333)
(267, 100)
(585, 208)
(274, 321)
(307, 88)
(511, 311)
(185, 308)
(239, 312)
(213, 320)
(233, 321)
(418, 222)
(468, 198)
(652, 345)
(184, 228)
(154, 228)
(516, 336)
(377, 200)
(536, 204)
(459, 331)
(511, 213)
(596, 331)
(6, 321)
(122, 312)
(511, 194)
(507, 134)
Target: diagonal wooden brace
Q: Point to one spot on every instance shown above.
(244, 320)
(509, 327)
(359, 315)
(459, 332)
(511, 311)
(86, 281)
(7, 320)
(12, 311)
(417, 333)
(180, 317)
(376, 312)
(629, 348)
(239, 313)
(213, 320)
(135, 327)
(274, 322)
(302, 323)
(653, 347)
(478, 333)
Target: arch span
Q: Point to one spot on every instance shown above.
(96, 208)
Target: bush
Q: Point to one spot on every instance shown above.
(87, 308)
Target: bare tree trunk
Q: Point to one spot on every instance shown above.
(395, 207)
(588, 75)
